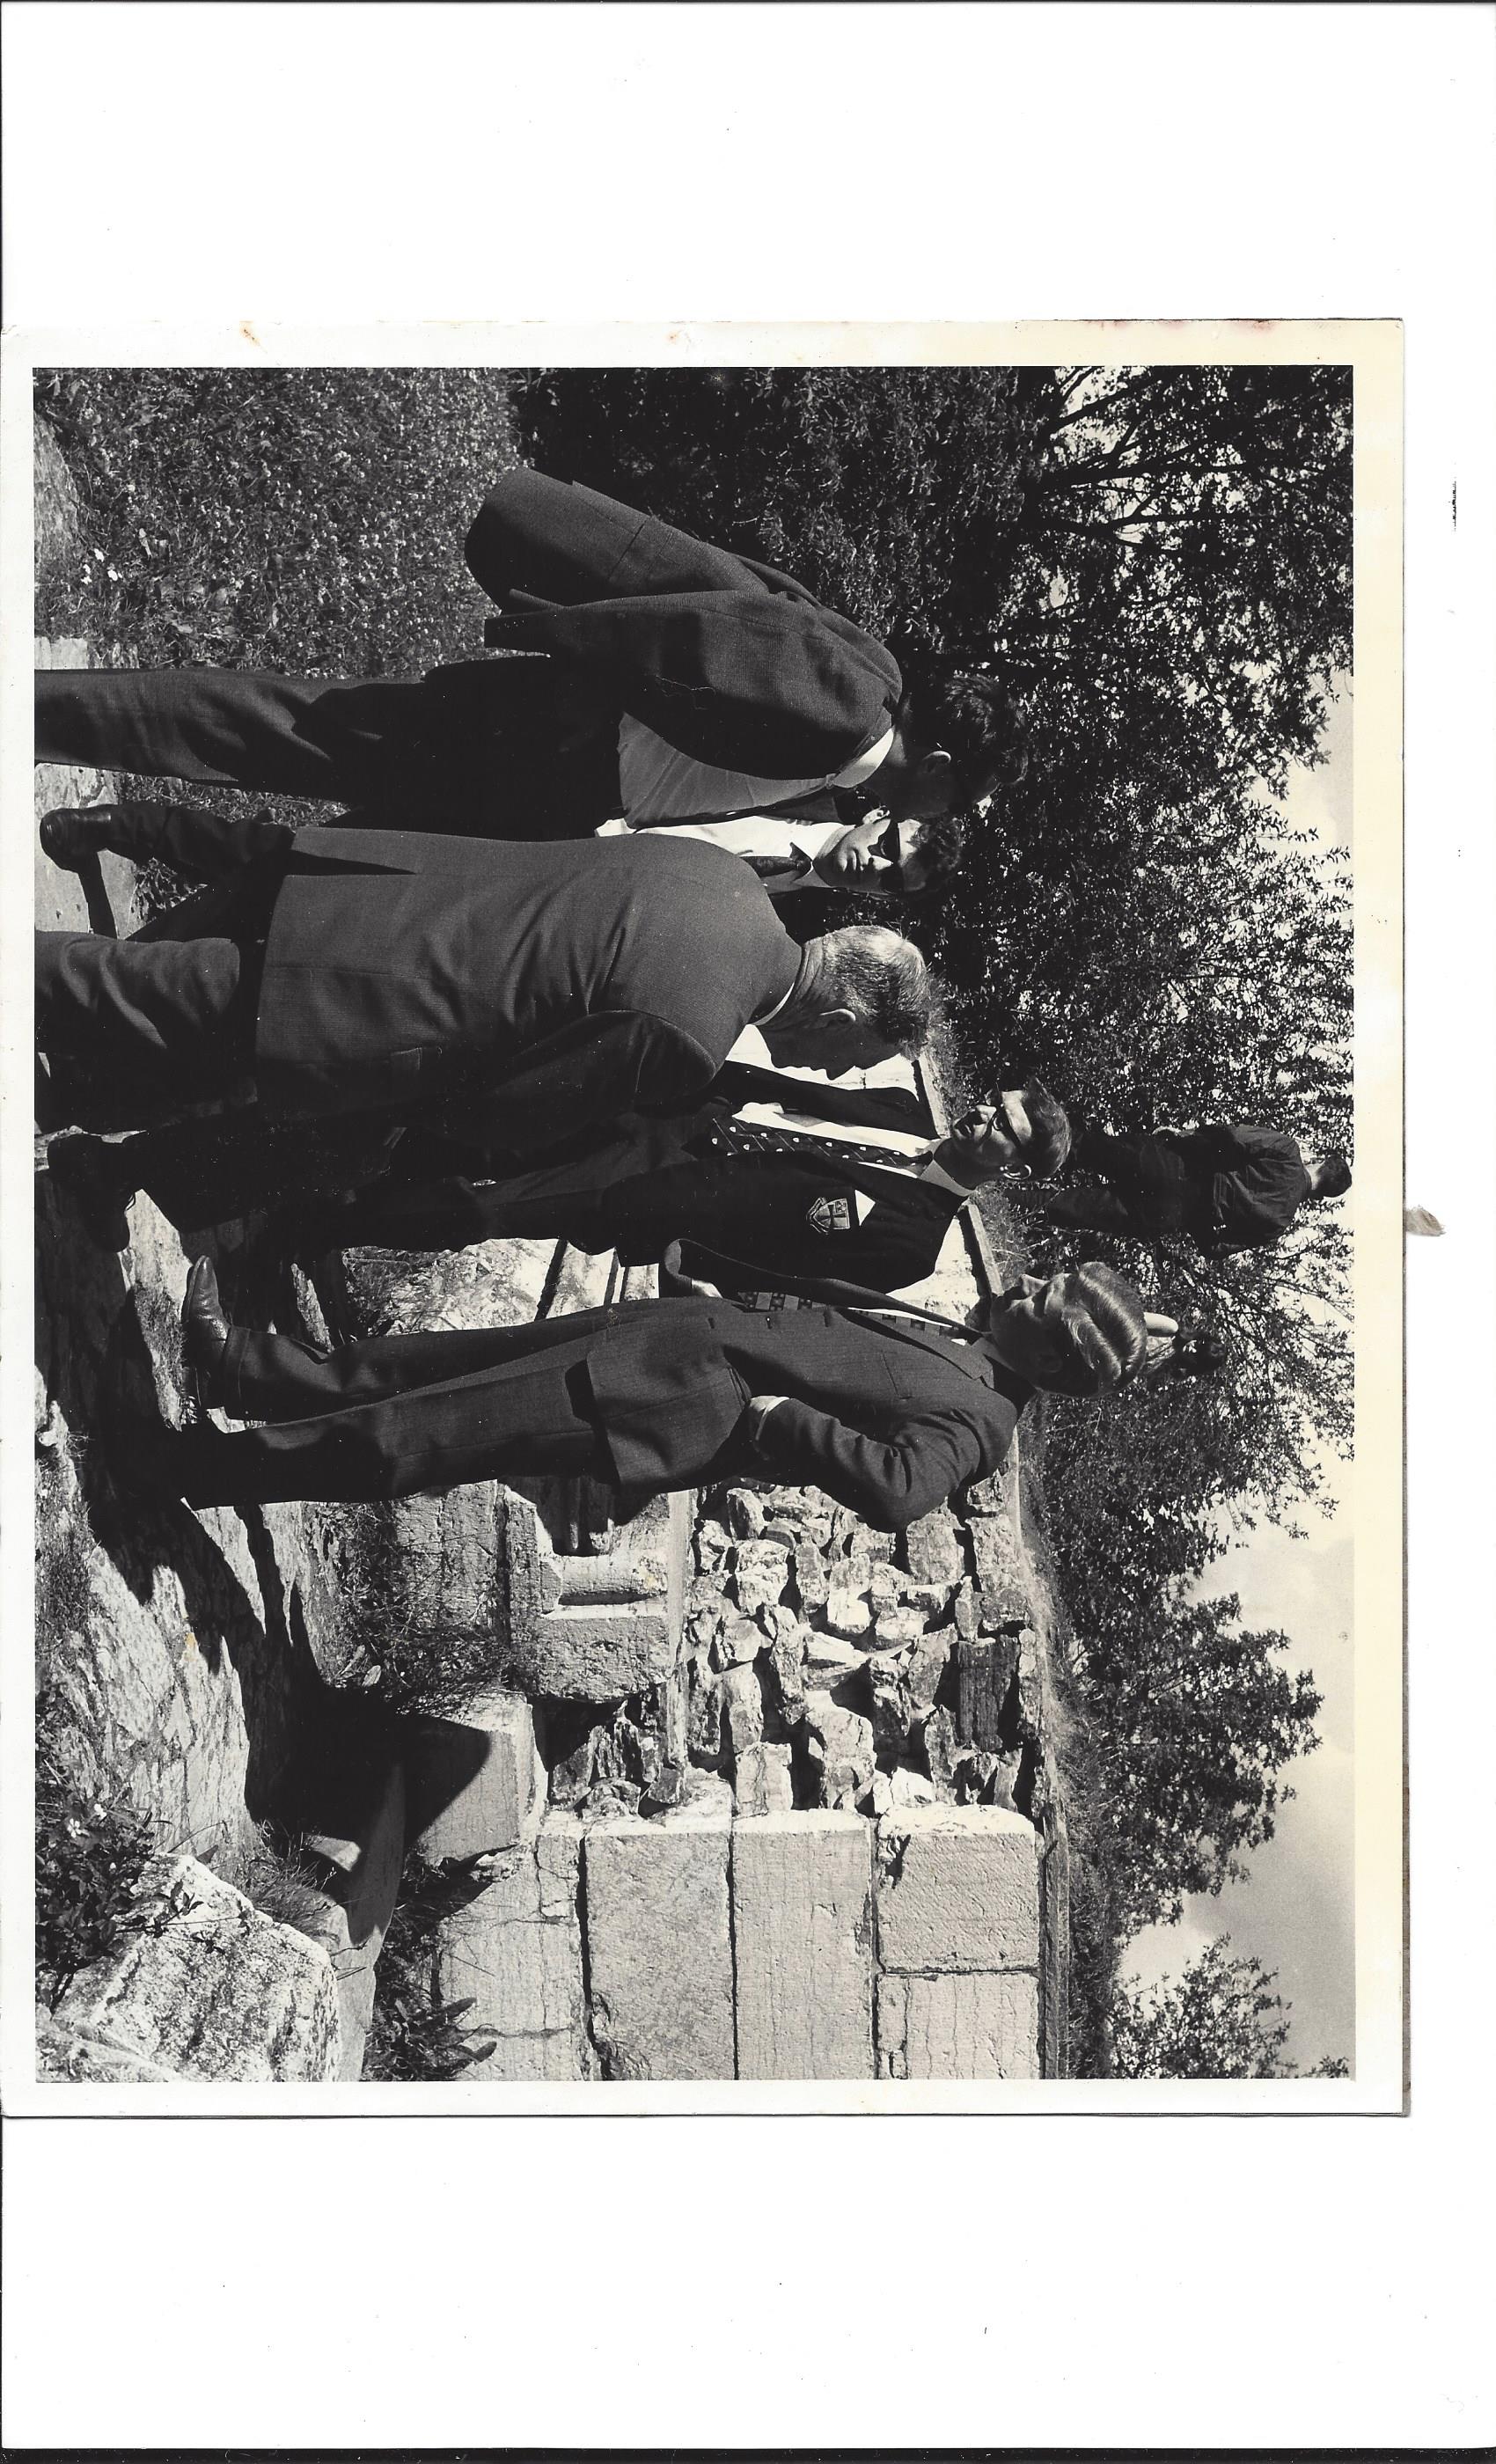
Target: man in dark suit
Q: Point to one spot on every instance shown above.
(877, 858)
(665, 680)
(1225, 1188)
(888, 1416)
(514, 993)
(751, 1190)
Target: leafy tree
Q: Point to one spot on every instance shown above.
(1196, 1717)
(1219, 2019)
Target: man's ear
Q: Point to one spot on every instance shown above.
(938, 760)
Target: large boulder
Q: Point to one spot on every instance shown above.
(208, 1987)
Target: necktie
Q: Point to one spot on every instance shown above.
(730, 1136)
(779, 868)
(889, 1319)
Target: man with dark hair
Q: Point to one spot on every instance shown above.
(886, 1414)
(876, 858)
(666, 681)
(513, 994)
(751, 1192)
(1225, 1188)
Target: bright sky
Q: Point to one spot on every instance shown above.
(1295, 1912)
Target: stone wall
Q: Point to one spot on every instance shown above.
(793, 1946)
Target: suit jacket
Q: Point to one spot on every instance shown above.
(1253, 1182)
(511, 987)
(731, 662)
(887, 1422)
(744, 1220)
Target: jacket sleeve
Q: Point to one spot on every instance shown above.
(585, 1075)
(741, 679)
(540, 540)
(889, 1483)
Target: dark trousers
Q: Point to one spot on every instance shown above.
(153, 1022)
(596, 1194)
(1153, 1193)
(505, 748)
(399, 1413)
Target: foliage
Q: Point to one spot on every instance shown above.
(412, 2035)
(91, 1854)
(1195, 1718)
(405, 1656)
(1219, 2019)
(890, 491)
(92, 1846)
(305, 518)
(277, 1876)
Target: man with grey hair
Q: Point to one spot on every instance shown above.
(514, 994)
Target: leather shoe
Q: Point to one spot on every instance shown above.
(72, 833)
(85, 1169)
(205, 1332)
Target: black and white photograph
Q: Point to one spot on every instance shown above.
(696, 1224)
(745, 1340)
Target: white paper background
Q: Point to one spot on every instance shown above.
(1013, 2281)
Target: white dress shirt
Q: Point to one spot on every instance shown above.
(658, 782)
(752, 834)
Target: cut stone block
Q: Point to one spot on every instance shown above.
(618, 1627)
(450, 1553)
(957, 1889)
(557, 1857)
(215, 1989)
(524, 1975)
(802, 1943)
(659, 1949)
(532, 1575)
(958, 2027)
(477, 1784)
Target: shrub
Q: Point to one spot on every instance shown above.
(91, 1854)
(412, 2035)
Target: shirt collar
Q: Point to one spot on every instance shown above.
(765, 1015)
(866, 762)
